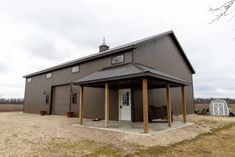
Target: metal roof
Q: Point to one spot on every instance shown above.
(127, 71)
(111, 51)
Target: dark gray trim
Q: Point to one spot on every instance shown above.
(50, 108)
(64, 84)
(110, 79)
(82, 60)
(170, 79)
(144, 74)
(128, 71)
(24, 95)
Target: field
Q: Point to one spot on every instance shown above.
(233, 107)
(11, 107)
(34, 135)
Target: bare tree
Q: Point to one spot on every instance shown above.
(223, 10)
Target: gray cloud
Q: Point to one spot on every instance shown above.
(39, 34)
(3, 68)
(45, 48)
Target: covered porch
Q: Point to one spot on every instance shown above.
(133, 77)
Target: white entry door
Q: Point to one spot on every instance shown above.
(125, 104)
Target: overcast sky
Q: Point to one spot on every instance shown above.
(38, 34)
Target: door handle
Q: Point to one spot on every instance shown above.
(120, 106)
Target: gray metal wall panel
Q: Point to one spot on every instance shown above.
(163, 55)
(35, 99)
(95, 95)
(138, 101)
(60, 100)
(114, 104)
(157, 97)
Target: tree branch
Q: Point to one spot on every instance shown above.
(222, 10)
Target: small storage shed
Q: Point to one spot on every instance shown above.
(218, 107)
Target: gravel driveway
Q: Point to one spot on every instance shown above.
(24, 134)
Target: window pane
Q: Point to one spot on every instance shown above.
(47, 99)
(48, 75)
(74, 98)
(118, 59)
(125, 99)
(75, 69)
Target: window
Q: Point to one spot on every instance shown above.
(75, 69)
(125, 99)
(74, 98)
(29, 80)
(48, 75)
(118, 59)
(47, 99)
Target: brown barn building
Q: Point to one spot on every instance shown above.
(154, 65)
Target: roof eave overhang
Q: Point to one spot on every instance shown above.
(144, 74)
(111, 79)
(170, 79)
(71, 63)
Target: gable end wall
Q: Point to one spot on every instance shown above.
(163, 55)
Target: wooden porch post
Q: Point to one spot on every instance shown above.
(183, 103)
(168, 93)
(81, 105)
(145, 105)
(106, 105)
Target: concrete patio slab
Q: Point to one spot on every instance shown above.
(155, 128)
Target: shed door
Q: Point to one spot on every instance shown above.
(60, 100)
(219, 109)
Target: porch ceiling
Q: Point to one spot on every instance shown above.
(130, 74)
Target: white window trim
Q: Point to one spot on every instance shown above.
(48, 75)
(75, 69)
(29, 80)
(122, 61)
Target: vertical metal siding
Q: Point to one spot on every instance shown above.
(114, 106)
(35, 99)
(60, 100)
(163, 55)
(138, 102)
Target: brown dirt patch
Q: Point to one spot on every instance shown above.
(35, 135)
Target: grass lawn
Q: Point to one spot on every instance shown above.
(219, 143)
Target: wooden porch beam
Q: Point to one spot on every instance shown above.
(168, 93)
(81, 105)
(183, 103)
(145, 104)
(106, 105)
